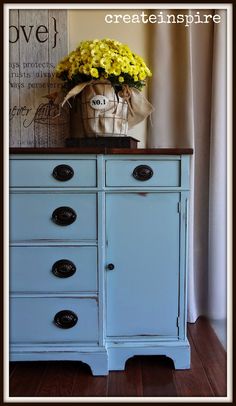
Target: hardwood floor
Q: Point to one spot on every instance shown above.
(144, 376)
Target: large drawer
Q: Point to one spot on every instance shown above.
(32, 320)
(31, 216)
(39, 173)
(37, 269)
(134, 172)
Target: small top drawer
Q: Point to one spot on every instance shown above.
(53, 173)
(142, 173)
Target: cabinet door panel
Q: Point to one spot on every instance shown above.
(143, 245)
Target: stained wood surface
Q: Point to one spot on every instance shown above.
(195, 381)
(212, 356)
(103, 150)
(144, 376)
(129, 383)
(157, 377)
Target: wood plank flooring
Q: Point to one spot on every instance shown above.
(144, 376)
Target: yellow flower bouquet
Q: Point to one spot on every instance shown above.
(103, 59)
(107, 78)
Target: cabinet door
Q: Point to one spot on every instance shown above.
(142, 242)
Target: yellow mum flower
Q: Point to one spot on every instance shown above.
(96, 62)
(142, 75)
(103, 47)
(85, 52)
(94, 73)
(105, 62)
(116, 70)
(134, 70)
(149, 73)
(125, 67)
(106, 57)
(96, 52)
(86, 69)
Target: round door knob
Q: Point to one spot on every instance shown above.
(142, 172)
(63, 268)
(110, 267)
(63, 173)
(64, 216)
(65, 319)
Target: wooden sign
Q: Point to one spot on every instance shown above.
(37, 41)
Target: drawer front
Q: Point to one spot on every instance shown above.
(32, 320)
(37, 269)
(31, 216)
(39, 173)
(142, 173)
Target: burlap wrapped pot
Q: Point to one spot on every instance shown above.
(112, 119)
(106, 112)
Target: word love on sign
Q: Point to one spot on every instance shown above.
(99, 102)
(38, 32)
(37, 41)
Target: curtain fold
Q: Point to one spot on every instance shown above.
(217, 308)
(189, 95)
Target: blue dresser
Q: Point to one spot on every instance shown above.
(98, 255)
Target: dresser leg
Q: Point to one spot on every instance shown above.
(98, 363)
(178, 351)
(181, 358)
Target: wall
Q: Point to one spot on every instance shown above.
(38, 40)
(90, 24)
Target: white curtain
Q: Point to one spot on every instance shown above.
(188, 91)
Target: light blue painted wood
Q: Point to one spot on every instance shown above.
(101, 261)
(147, 158)
(38, 173)
(53, 157)
(138, 308)
(31, 320)
(179, 352)
(79, 295)
(31, 269)
(54, 243)
(185, 168)
(101, 251)
(143, 245)
(165, 173)
(31, 216)
(95, 357)
(183, 268)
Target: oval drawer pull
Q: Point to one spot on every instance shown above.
(63, 268)
(142, 172)
(63, 173)
(65, 319)
(64, 216)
